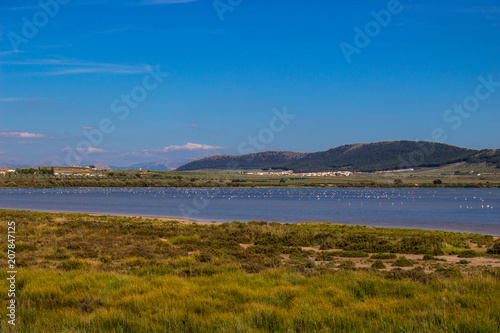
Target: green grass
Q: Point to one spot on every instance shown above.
(81, 273)
(272, 301)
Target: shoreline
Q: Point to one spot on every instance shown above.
(351, 185)
(183, 220)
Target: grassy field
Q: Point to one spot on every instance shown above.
(82, 273)
(456, 175)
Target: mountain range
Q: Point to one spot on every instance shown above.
(362, 157)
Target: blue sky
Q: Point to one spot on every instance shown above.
(229, 65)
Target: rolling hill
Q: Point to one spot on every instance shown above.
(365, 157)
(263, 160)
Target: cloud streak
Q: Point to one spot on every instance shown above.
(23, 135)
(91, 150)
(72, 66)
(188, 146)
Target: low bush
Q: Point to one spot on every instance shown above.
(73, 264)
(378, 264)
(495, 249)
(185, 239)
(448, 272)
(468, 254)
(429, 257)
(58, 254)
(351, 254)
(403, 262)
(348, 265)
(384, 256)
(416, 274)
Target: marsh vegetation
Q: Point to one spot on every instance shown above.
(82, 273)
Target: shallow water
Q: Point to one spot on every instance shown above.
(471, 210)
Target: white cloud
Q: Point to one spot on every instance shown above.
(72, 66)
(90, 150)
(187, 146)
(25, 100)
(23, 135)
(137, 154)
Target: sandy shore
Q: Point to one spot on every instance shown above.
(181, 220)
(184, 220)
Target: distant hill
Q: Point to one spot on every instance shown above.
(11, 164)
(163, 165)
(382, 156)
(490, 156)
(263, 160)
(365, 157)
(101, 166)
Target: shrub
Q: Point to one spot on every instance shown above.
(105, 259)
(21, 246)
(185, 239)
(352, 254)
(73, 264)
(495, 249)
(448, 272)
(58, 254)
(257, 223)
(437, 182)
(348, 264)
(437, 252)
(324, 256)
(463, 262)
(378, 264)
(429, 257)
(403, 262)
(415, 274)
(468, 254)
(384, 256)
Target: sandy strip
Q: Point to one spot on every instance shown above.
(184, 220)
(181, 220)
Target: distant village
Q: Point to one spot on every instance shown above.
(302, 174)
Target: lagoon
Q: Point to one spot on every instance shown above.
(466, 210)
